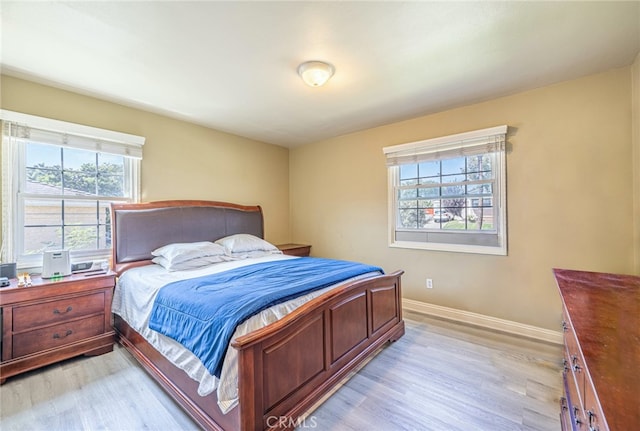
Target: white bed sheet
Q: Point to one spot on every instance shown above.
(133, 300)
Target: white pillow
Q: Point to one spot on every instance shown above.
(198, 262)
(244, 243)
(182, 251)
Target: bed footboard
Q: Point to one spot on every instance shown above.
(286, 367)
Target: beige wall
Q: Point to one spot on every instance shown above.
(569, 186)
(635, 115)
(181, 160)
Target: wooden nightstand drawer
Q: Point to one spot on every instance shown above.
(295, 249)
(57, 335)
(52, 320)
(32, 316)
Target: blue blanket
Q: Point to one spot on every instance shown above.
(202, 313)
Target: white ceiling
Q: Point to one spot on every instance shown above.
(232, 65)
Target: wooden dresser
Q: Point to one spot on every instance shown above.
(601, 323)
(55, 320)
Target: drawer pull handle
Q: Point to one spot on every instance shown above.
(66, 334)
(576, 418)
(592, 416)
(56, 311)
(563, 404)
(576, 367)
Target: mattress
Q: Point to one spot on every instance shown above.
(133, 299)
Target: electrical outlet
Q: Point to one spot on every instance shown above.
(429, 283)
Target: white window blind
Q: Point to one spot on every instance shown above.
(459, 145)
(24, 127)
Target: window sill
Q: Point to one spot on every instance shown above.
(33, 264)
(455, 248)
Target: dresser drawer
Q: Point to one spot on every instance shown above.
(565, 417)
(574, 405)
(593, 414)
(574, 361)
(32, 316)
(57, 335)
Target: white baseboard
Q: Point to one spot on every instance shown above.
(484, 321)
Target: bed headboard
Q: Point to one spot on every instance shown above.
(138, 229)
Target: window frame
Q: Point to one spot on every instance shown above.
(14, 194)
(459, 241)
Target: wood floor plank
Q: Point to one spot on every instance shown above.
(440, 376)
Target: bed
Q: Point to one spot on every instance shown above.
(283, 369)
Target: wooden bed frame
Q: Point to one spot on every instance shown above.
(284, 368)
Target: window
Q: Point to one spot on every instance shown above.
(448, 193)
(58, 181)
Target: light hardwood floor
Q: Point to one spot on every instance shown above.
(439, 376)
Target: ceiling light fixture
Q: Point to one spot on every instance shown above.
(315, 73)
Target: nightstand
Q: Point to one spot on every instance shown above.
(295, 249)
(52, 320)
